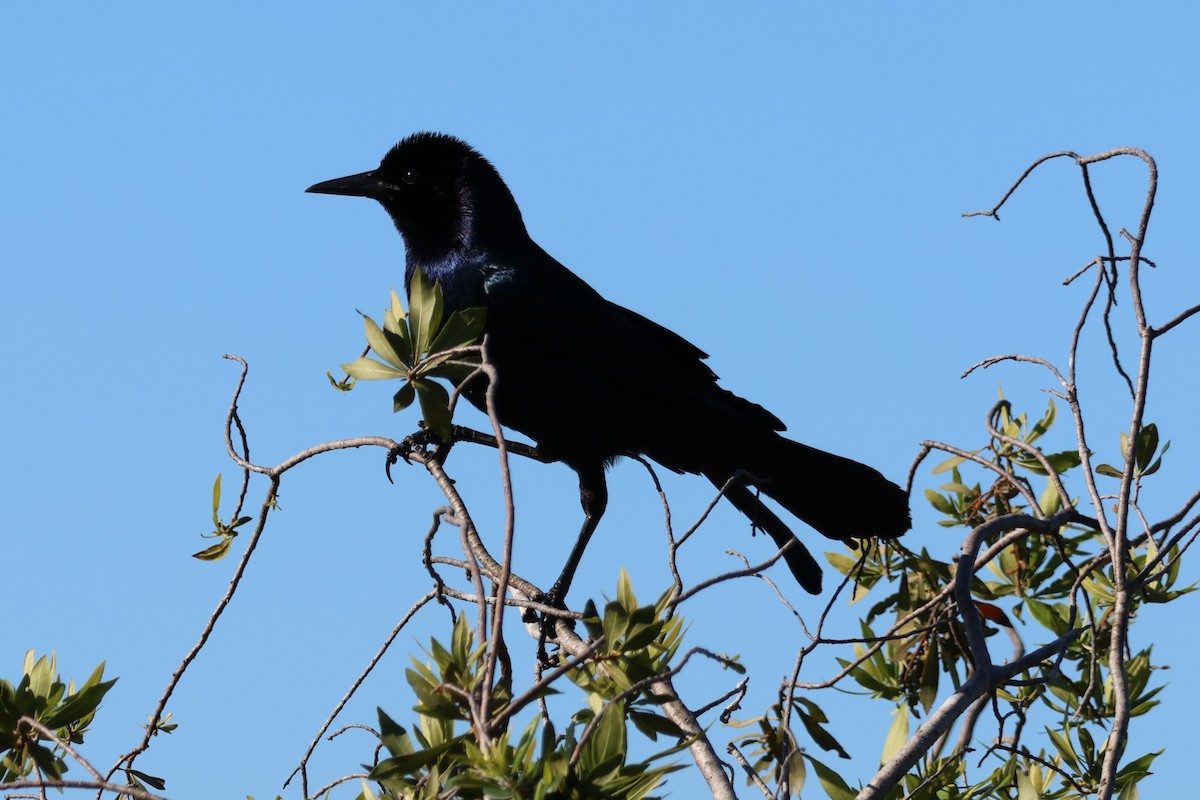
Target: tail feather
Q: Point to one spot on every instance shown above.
(798, 558)
(839, 498)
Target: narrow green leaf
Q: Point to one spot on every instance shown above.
(368, 369)
(1147, 445)
(79, 705)
(1025, 790)
(385, 345)
(1049, 616)
(216, 497)
(1110, 471)
(930, 673)
(1043, 424)
(812, 717)
(404, 398)
(939, 502)
(393, 736)
(412, 763)
(797, 774)
(157, 783)
(435, 410)
(344, 385)
(604, 751)
(652, 724)
(1065, 750)
(948, 464)
(463, 328)
(897, 735)
(1050, 502)
(831, 782)
(395, 326)
(625, 595)
(425, 311)
(217, 551)
(396, 310)
(841, 562)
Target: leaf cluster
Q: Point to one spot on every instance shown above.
(224, 532)
(1057, 585)
(444, 752)
(418, 346)
(42, 695)
(779, 758)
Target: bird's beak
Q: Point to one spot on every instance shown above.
(364, 184)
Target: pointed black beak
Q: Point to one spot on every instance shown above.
(364, 184)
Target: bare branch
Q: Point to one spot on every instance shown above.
(302, 768)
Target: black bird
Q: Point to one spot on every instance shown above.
(590, 381)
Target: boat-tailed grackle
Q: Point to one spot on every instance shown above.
(590, 381)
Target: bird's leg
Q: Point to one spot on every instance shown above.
(593, 496)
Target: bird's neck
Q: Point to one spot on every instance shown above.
(458, 273)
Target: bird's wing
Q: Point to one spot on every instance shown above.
(554, 307)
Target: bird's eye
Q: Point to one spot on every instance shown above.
(409, 176)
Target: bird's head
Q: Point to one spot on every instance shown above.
(443, 196)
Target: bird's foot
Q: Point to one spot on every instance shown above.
(424, 442)
(547, 622)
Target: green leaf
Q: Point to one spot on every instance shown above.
(396, 310)
(435, 407)
(393, 736)
(1110, 471)
(939, 502)
(1025, 790)
(395, 325)
(368, 369)
(897, 735)
(841, 562)
(1042, 425)
(79, 705)
(1153, 468)
(831, 782)
(1050, 502)
(462, 329)
(652, 724)
(425, 306)
(797, 773)
(1137, 769)
(949, 463)
(1054, 617)
(1065, 750)
(404, 398)
(157, 783)
(217, 498)
(930, 673)
(412, 763)
(344, 385)
(604, 751)
(812, 717)
(1147, 445)
(387, 346)
(625, 595)
(216, 552)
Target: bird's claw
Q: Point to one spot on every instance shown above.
(423, 441)
(546, 622)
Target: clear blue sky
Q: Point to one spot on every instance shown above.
(780, 183)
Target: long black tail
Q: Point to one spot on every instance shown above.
(839, 498)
